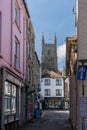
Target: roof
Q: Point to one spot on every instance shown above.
(51, 74)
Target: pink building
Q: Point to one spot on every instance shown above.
(13, 15)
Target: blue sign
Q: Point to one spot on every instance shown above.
(81, 74)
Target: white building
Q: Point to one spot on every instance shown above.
(52, 90)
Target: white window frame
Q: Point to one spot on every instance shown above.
(47, 92)
(58, 82)
(10, 95)
(10, 100)
(47, 82)
(58, 92)
(6, 104)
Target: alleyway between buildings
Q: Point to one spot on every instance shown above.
(51, 120)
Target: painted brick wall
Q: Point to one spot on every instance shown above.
(0, 94)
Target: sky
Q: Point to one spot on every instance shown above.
(52, 17)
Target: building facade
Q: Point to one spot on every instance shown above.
(78, 87)
(82, 58)
(30, 50)
(52, 91)
(32, 71)
(13, 15)
(71, 70)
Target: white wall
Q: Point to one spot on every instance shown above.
(52, 87)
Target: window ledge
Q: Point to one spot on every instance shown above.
(17, 70)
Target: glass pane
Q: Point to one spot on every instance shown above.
(7, 104)
(58, 82)
(17, 14)
(13, 104)
(7, 88)
(13, 90)
(47, 81)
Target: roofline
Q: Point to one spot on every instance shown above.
(25, 4)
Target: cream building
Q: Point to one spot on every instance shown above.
(78, 87)
(82, 56)
(52, 90)
(71, 63)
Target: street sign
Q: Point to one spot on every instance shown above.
(81, 74)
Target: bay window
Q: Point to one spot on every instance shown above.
(10, 100)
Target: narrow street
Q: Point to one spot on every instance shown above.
(51, 120)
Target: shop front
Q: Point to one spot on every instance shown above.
(29, 107)
(53, 103)
(12, 103)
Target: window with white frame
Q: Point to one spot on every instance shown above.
(16, 54)
(58, 82)
(10, 98)
(47, 82)
(47, 92)
(17, 14)
(58, 92)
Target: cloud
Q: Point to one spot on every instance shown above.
(61, 53)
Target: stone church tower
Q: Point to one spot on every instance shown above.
(49, 55)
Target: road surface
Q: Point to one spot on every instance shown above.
(51, 120)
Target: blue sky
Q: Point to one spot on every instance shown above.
(50, 17)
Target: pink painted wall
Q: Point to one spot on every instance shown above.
(9, 30)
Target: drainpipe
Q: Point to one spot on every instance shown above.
(2, 109)
(11, 49)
